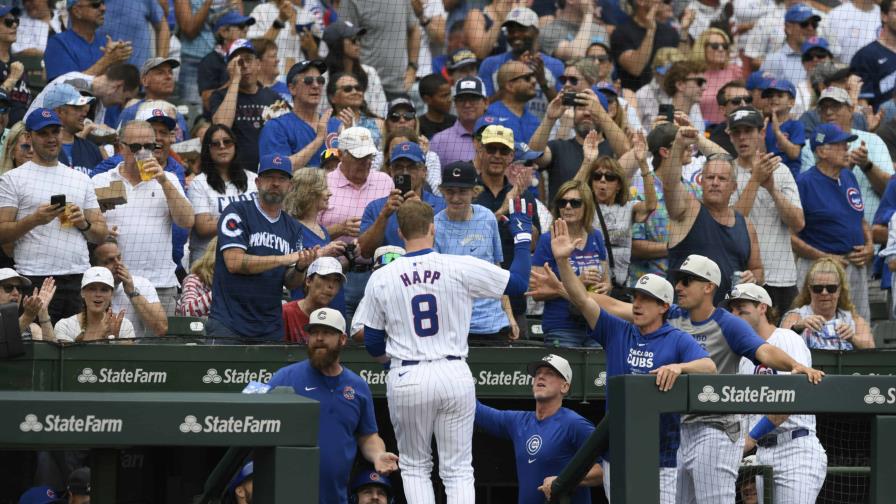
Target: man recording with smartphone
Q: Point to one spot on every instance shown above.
(379, 226)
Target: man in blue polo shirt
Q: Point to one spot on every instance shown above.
(379, 226)
(79, 49)
(834, 207)
(303, 133)
(260, 251)
(516, 87)
(347, 422)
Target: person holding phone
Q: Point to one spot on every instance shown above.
(407, 165)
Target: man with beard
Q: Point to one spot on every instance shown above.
(259, 252)
(516, 86)
(562, 158)
(347, 422)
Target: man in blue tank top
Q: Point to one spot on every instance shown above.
(711, 227)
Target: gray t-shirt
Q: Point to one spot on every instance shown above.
(560, 30)
(619, 226)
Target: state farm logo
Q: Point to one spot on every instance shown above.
(708, 395)
(121, 375)
(87, 376)
(874, 396)
(732, 394)
(229, 425)
(190, 425)
(236, 376)
(71, 423)
(601, 379)
(211, 376)
(31, 424)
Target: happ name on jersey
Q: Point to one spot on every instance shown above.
(428, 277)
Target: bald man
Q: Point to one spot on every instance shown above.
(516, 86)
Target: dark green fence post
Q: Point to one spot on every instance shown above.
(883, 459)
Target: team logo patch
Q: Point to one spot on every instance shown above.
(406, 147)
(374, 476)
(322, 316)
(762, 369)
(348, 393)
(45, 113)
(156, 112)
(854, 197)
(533, 444)
(230, 225)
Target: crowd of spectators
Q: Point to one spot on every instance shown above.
(206, 152)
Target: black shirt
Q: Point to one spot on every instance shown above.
(629, 36)
(19, 96)
(721, 138)
(429, 128)
(566, 158)
(212, 73)
(248, 121)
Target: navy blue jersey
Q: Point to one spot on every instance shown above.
(834, 210)
(346, 412)
(250, 304)
(876, 65)
(630, 352)
(542, 448)
(796, 134)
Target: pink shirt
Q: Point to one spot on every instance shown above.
(348, 200)
(715, 79)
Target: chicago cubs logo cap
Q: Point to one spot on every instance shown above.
(371, 477)
(460, 174)
(41, 495)
(326, 266)
(40, 118)
(555, 362)
(302, 66)
(702, 267)
(159, 111)
(749, 292)
(522, 152)
(279, 162)
(407, 150)
(97, 274)
(232, 18)
(326, 317)
(656, 287)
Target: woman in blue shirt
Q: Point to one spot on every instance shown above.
(563, 325)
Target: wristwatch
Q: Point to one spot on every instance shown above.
(867, 167)
(278, 24)
(86, 229)
(412, 64)
(132, 295)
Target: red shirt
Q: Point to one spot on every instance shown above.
(294, 322)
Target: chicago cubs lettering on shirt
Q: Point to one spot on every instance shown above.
(414, 277)
(639, 360)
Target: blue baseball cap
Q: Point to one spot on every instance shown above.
(815, 43)
(278, 162)
(485, 121)
(757, 80)
(65, 94)
(40, 118)
(607, 87)
(601, 41)
(799, 13)
(371, 477)
(407, 150)
(779, 85)
(41, 495)
(601, 97)
(522, 152)
(239, 45)
(6, 9)
(827, 134)
(238, 479)
(233, 18)
(302, 66)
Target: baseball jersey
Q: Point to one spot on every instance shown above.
(250, 304)
(726, 338)
(630, 352)
(424, 300)
(833, 209)
(541, 448)
(794, 346)
(346, 412)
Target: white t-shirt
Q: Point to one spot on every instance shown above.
(120, 301)
(68, 329)
(289, 45)
(794, 346)
(431, 9)
(773, 234)
(850, 29)
(49, 249)
(144, 227)
(32, 34)
(206, 200)
(619, 226)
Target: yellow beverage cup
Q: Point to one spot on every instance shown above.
(64, 220)
(142, 157)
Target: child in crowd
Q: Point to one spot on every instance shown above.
(784, 136)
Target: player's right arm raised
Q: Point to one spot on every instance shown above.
(562, 246)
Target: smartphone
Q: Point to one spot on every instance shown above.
(402, 183)
(668, 111)
(58, 200)
(569, 99)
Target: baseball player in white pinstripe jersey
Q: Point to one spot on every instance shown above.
(424, 301)
(785, 442)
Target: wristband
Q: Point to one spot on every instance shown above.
(762, 428)
(86, 229)
(867, 168)
(278, 24)
(413, 65)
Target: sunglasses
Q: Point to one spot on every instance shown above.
(740, 100)
(831, 288)
(350, 88)
(25, 147)
(603, 58)
(498, 149)
(700, 81)
(11, 22)
(813, 23)
(601, 175)
(221, 144)
(309, 80)
(572, 81)
(816, 56)
(686, 280)
(573, 202)
(387, 258)
(397, 116)
(528, 77)
(7, 288)
(137, 147)
(717, 45)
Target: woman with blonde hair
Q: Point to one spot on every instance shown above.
(712, 49)
(574, 203)
(823, 313)
(17, 149)
(196, 298)
(615, 209)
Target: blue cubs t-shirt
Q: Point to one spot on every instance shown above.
(833, 209)
(630, 352)
(523, 126)
(556, 311)
(250, 305)
(373, 209)
(796, 134)
(541, 448)
(69, 52)
(346, 412)
(288, 134)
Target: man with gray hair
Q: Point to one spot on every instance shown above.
(144, 222)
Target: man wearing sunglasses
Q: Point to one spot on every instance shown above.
(34, 320)
(303, 132)
(800, 23)
(684, 82)
(155, 201)
(82, 48)
(731, 96)
(516, 86)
